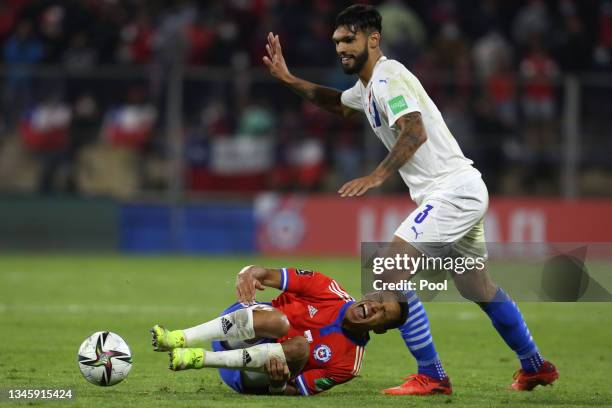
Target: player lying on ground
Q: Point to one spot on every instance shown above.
(451, 196)
(310, 338)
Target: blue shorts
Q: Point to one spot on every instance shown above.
(233, 378)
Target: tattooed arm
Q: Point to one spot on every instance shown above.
(324, 97)
(411, 136)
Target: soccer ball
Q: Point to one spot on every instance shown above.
(104, 358)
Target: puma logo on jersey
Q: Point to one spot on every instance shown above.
(416, 233)
(312, 311)
(226, 325)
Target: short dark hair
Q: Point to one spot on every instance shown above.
(387, 296)
(360, 17)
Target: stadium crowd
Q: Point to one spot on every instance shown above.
(495, 68)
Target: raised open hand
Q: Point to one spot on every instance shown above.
(275, 60)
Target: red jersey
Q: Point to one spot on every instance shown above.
(315, 305)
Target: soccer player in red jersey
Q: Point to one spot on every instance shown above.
(310, 338)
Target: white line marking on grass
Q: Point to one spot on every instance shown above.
(467, 315)
(106, 309)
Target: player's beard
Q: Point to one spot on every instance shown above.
(359, 62)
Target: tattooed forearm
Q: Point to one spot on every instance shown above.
(324, 97)
(411, 136)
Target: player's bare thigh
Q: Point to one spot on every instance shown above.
(475, 285)
(269, 322)
(402, 248)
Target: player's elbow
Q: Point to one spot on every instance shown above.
(421, 138)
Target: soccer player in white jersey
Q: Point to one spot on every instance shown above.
(451, 197)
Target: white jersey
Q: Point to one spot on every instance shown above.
(392, 92)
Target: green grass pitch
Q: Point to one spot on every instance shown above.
(49, 304)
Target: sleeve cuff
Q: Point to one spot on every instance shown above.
(284, 279)
(394, 119)
(301, 384)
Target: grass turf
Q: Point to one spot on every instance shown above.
(49, 304)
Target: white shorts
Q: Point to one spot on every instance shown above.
(449, 221)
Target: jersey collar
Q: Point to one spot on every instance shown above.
(336, 326)
(381, 59)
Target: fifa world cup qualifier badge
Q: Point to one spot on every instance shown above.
(398, 104)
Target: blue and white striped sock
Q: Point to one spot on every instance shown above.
(532, 363)
(418, 339)
(509, 323)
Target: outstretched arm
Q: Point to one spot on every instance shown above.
(324, 97)
(411, 136)
(252, 278)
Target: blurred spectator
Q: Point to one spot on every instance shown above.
(449, 47)
(22, 48)
(539, 72)
(306, 160)
(488, 152)
(501, 89)
(533, 19)
(441, 12)
(573, 45)
(85, 121)
(451, 56)
(602, 55)
(130, 125)
(8, 17)
(256, 119)
(488, 50)
(52, 30)
(484, 16)
(45, 132)
(403, 34)
(201, 38)
(315, 46)
(105, 31)
(80, 54)
(136, 41)
(215, 121)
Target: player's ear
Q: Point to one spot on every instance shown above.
(374, 39)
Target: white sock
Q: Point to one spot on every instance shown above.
(249, 359)
(237, 325)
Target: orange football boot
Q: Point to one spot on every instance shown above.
(524, 381)
(421, 384)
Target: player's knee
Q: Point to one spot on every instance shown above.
(281, 324)
(296, 349)
(270, 323)
(478, 291)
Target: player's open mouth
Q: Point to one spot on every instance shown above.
(364, 311)
(344, 60)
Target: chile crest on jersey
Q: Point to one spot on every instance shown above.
(322, 353)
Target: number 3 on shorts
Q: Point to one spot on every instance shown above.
(420, 217)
